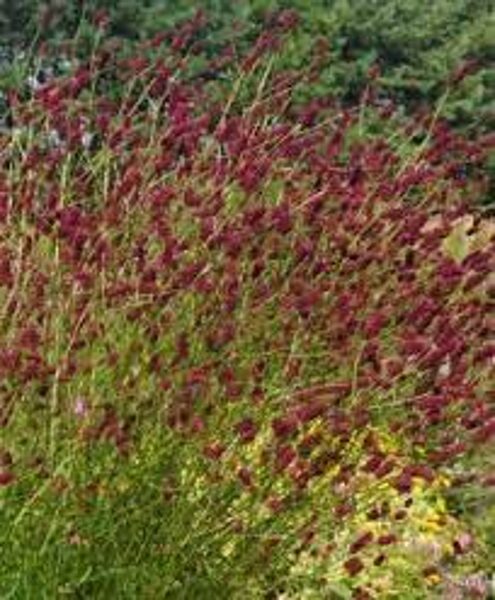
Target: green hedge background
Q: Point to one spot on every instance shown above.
(417, 43)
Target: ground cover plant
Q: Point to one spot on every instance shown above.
(246, 343)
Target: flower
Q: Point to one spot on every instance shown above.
(6, 477)
(246, 429)
(80, 407)
(361, 542)
(353, 566)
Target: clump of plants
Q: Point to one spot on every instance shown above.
(245, 345)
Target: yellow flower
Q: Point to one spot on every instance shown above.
(433, 579)
(432, 524)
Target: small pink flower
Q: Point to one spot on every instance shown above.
(463, 543)
(476, 585)
(80, 407)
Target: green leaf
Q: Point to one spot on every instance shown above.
(456, 244)
(340, 590)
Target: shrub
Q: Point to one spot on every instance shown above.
(245, 347)
(416, 44)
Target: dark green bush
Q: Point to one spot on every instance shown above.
(416, 44)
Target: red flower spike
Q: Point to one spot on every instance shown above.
(275, 504)
(6, 478)
(403, 483)
(385, 469)
(361, 594)
(362, 541)
(489, 481)
(247, 430)
(214, 451)
(373, 514)
(387, 539)
(343, 509)
(284, 427)
(485, 433)
(245, 477)
(285, 455)
(197, 424)
(306, 413)
(353, 566)
(379, 560)
(372, 465)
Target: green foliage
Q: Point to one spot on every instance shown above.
(417, 44)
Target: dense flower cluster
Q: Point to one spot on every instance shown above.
(306, 309)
